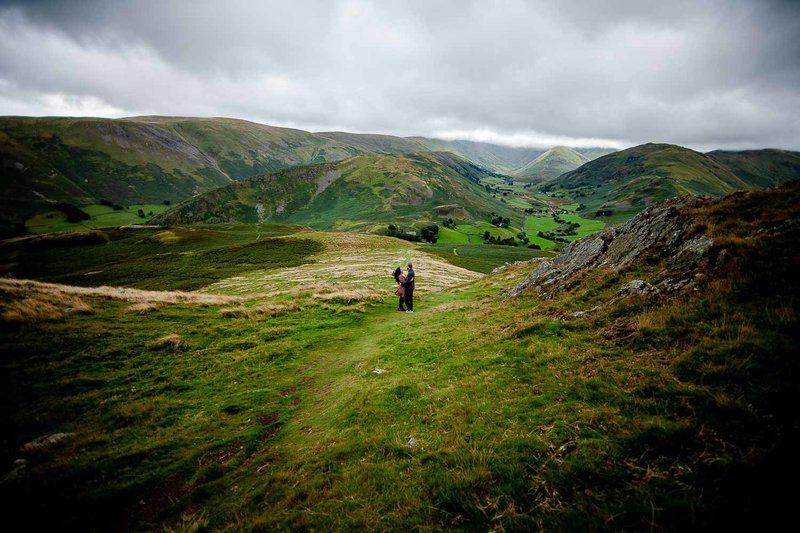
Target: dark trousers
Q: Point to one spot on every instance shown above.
(400, 304)
(409, 298)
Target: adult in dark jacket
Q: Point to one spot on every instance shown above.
(409, 286)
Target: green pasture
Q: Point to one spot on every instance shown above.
(588, 226)
(103, 216)
(473, 233)
(482, 257)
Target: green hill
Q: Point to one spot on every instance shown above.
(550, 164)
(623, 183)
(259, 378)
(147, 160)
(593, 153)
(502, 159)
(140, 160)
(361, 192)
(761, 168)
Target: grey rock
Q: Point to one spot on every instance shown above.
(673, 285)
(17, 470)
(637, 287)
(583, 314)
(45, 441)
(516, 263)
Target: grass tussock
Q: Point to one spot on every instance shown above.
(29, 288)
(171, 342)
(277, 308)
(144, 308)
(347, 296)
(236, 312)
(19, 307)
(30, 310)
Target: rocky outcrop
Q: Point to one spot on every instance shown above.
(637, 287)
(664, 232)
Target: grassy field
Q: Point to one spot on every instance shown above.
(103, 216)
(481, 257)
(291, 395)
(473, 233)
(534, 225)
(587, 226)
(185, 258)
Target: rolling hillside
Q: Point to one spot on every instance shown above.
(146, 160)
(357, 193)
(140, 160)
(620, 184)
(502, 159)
(761, 168)
(259, 378)
(551, 164)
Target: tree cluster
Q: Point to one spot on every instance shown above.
(428, 233)
(74, 214)
(491, 239)
(499, 221)
(112, 205)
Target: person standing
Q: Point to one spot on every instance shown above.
(409, 287)
(401, 290)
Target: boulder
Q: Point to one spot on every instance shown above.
(637, 287)
(45, 441)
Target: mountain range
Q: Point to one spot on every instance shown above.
(234, 170)
(152, 159)
(359, 192)
(620, 184)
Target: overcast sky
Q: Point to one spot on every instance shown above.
(705, 74)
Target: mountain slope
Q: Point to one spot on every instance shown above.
(593, 153)
(360, 192)
(502, 159)
(551, 164)
(761, 168)
(151, 159)
(142, 159)
(623, 183)
(255, 404)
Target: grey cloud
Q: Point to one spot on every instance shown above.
(704, 74)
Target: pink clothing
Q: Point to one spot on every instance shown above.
(400, 289)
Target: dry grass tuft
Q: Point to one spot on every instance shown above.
(76, 305)
(171, 342)
(144, 308)
(347, 296)
(28, 288)
(236, 312)
(21, 306)
(277, 308)
(30, 310)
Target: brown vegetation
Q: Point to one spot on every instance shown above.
(29, 288)
(171, 342)
(37, 306)
(144, 308)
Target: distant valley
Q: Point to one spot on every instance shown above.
(81, 173)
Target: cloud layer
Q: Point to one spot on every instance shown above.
(709, 74)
